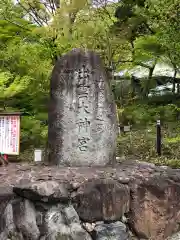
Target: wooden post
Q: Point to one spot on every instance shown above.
(158, 137)
(119, 129)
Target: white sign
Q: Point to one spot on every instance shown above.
(158, 122)
(37, 155)
(9, 134)
(127, 128)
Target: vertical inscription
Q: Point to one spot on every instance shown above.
(82, 77)
(83, 143)
(101, 86)
(83, 103)
(101, 83)
(83, 125)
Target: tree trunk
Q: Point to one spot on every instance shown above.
(178, 88)
(174, 79)
(133, 89)
(147, 85)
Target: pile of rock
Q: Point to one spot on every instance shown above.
(45, 203)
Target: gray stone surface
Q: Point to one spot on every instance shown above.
(6, 222)
(82, 112)
(96, 193)
(24, 215)
(155, 200)
(102, 200)
(62, 223)
(111, 231)
(174, 237)
(47, 191)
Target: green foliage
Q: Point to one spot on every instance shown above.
(142, 115)
(33, 132)
(140, 143)
(164, 161)
(11, 85)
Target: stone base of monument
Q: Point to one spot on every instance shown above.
(135, 200)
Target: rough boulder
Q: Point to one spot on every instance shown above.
(133, 200)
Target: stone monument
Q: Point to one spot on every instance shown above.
(82, 112)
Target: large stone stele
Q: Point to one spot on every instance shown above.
(82, 112)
